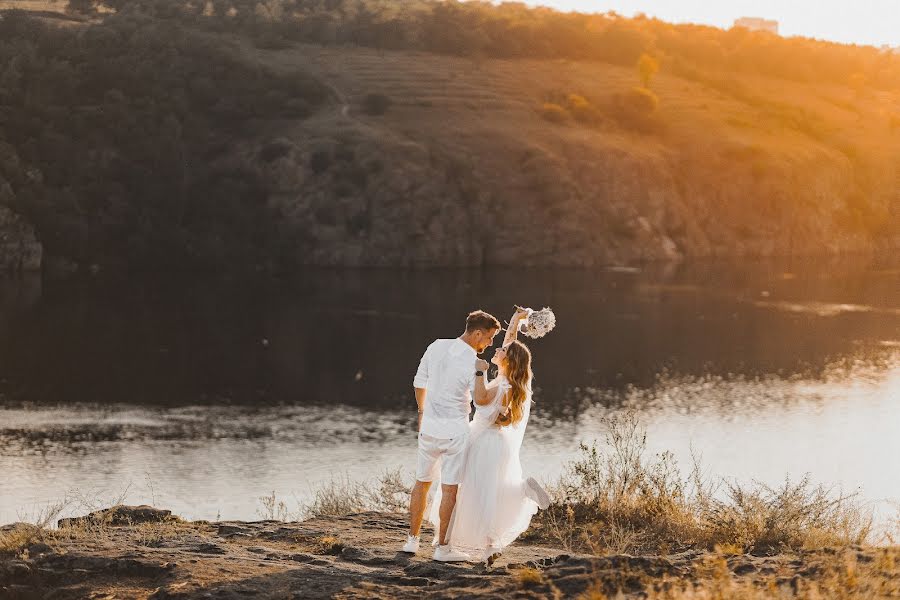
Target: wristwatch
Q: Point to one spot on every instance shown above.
(479, 373)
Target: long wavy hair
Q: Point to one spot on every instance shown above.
(518, 372)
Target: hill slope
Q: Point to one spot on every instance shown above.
(463, 169)
(227, 151)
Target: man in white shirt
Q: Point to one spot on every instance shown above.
(443, 385)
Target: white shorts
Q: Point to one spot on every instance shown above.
(448, 455)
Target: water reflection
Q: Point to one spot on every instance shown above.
(207, 460)
(207, 394)
(354, 337)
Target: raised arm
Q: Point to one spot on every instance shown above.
(512, 329)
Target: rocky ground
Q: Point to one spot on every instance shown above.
(147, 553)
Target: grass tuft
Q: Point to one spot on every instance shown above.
(529, 577)
(329, 544)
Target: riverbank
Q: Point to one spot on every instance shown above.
(145, 553)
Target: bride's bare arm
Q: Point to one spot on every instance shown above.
(512, 330)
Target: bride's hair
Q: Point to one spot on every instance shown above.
(518, 372)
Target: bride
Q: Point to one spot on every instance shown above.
(495, 504)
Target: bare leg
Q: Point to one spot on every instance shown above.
(448, 503)
(417, 500)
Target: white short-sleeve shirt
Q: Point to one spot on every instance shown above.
(447, 373)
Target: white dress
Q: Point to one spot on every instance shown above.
(491, 506)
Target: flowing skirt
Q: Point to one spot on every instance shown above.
(492, 509)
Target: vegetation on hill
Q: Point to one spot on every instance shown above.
(114, 140)
(514, 30)
(226, 133)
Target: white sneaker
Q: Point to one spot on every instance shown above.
(412, 544)
(448, 554)
(536, 492)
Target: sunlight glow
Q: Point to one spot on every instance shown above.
(870, 22)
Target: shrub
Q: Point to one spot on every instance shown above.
(636, 109)
(641, 100)
(647, 67)
(376, 104)
(615, 498)
(582, 110)
(553, 112)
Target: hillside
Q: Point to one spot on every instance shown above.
(468, 171)
(295, 153)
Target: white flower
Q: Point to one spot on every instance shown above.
(539, 323)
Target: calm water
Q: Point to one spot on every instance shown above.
(202, 395)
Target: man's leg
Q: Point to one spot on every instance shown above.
(448, 503)
(417, 500)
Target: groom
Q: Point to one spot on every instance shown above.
(443, 385)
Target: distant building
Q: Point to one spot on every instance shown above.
(757, 24)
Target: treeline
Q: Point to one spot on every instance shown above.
(115, 139)
(513, 30)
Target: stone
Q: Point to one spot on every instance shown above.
(209, 549)
(229, 530)
(38, 549)
(123, 515)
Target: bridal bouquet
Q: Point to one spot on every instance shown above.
(539, 323)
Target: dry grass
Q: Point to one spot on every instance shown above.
(329, 544)
(273, 509)
(843, 578)
(595, 592)
(31, 529)
(529, 576)
(616, 499)
(34, 5)
(553, 112)
(342, 496)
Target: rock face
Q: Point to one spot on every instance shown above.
(122, 515)
(20, 249)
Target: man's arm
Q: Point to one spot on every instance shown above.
(483, 390)
(419, 384)
(420, 401)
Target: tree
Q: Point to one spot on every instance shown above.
(647, 67)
